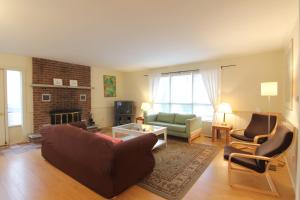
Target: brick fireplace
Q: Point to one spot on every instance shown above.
(64, 99)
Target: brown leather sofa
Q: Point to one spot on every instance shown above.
(104, 167)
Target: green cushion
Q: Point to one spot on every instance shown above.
(177, 127)
(159, 124)
(170, 127)
(165, 117)
(178, 134)
(180, 118)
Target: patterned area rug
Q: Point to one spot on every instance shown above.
(177, 168)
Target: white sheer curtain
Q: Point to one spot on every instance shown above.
(154, 86)
(212, 82)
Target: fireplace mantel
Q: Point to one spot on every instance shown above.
(62, 86)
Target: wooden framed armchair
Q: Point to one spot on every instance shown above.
(258, 161)
(257, 130)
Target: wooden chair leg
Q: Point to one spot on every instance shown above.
(273, 189)
(229, 174)
(271, 184)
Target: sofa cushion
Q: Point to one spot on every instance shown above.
(109, 138)
(177, 127)
(169, 126)
(156, 123)
(180, 118)
(165, 117)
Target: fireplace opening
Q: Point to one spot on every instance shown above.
(65, 116)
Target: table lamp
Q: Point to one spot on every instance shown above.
(145, 107)
(224, 108)
(269, 89)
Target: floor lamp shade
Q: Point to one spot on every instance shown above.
(269, 89)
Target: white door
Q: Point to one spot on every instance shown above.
(3, 126)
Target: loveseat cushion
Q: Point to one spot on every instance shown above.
(177, 127)
(180, 118)
(169, 126)
(165, 117)
(156, 123)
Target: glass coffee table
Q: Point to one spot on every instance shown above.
(132, 130)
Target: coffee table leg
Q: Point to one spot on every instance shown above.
(165, 137)
(213, 134)
(113, 133)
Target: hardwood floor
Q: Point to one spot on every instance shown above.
(27, 176)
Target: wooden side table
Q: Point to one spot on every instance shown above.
(218, 128)
(139, 119)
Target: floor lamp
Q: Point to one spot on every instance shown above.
(269, 89)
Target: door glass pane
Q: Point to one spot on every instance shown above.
(14, 97)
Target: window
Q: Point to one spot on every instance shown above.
(183, 93)
(14, 97)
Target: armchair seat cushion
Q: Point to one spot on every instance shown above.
(246, 162)
(242, 137)
(247, 139)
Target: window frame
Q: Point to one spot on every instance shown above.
(192, 104)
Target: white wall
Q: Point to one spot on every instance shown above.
(103, 107)
(297, 82)
(293, 116)
(240, 84)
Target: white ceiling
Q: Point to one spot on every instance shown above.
(136, 34)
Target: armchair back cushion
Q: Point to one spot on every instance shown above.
(259, 125)
(165, 117)
(277, 144)
(180, 118)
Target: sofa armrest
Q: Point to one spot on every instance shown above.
(193, 124)
(133, 160)
(150, 118)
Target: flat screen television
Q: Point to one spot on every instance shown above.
(124, 107)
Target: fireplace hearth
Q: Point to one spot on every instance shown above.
(65, 116)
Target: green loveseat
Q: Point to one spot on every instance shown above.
(180, 125)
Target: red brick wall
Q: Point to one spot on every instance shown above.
(43, 73)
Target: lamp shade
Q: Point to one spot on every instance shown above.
(268, 88)
(224, 108)
(145, 106)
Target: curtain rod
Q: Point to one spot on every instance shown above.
(225, 66)
(222, 67)
(194, 70)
